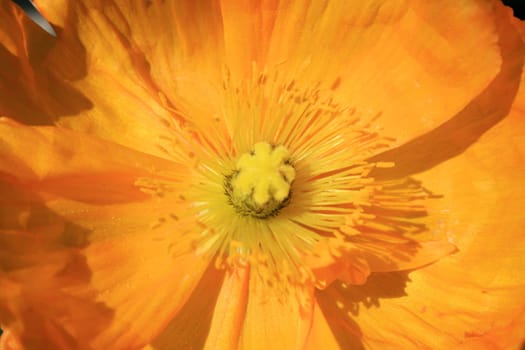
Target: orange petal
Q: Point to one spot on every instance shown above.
(416, 64)
(274, 318)
(159, 61)
(191, 326)
(30, 93)
(474, 299)
(80, 258)
(9, 342)
(434, 308)
(99, 79)
(47, 153)
(320, 336)
(248, 30)
(229, 312)
(395, 59)
(481, 113)
(145, 295)
(340, 303)
(238, 322)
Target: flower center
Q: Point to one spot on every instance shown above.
(261, 183)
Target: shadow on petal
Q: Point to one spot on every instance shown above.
(467, 126)
(397, 208)
(35, 89)
(190, 327)
(339, 302)
(396, 231)
(45, 297)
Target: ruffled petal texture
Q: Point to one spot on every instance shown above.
(83, 247)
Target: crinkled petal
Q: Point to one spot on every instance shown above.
(89, 78)
(83, 247)
(157, 58)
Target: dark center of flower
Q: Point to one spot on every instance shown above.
(261, 183)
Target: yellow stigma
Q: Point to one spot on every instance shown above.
(260, 185)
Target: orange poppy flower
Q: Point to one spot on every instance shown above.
(271, 174)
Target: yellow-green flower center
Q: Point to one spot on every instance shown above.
(261, 183)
